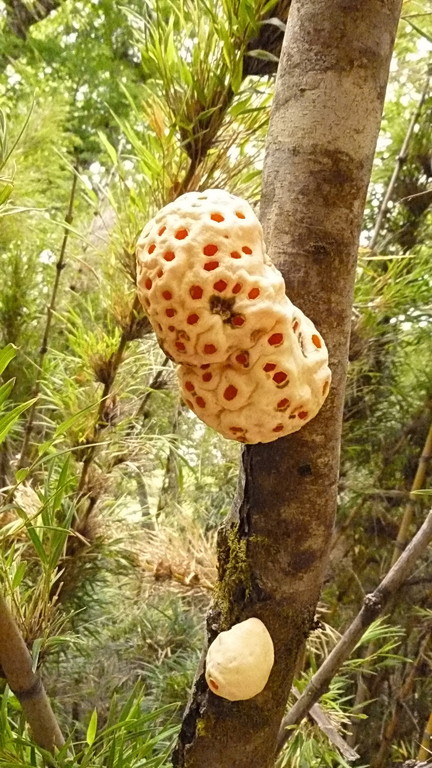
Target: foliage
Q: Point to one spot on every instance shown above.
(111, 490)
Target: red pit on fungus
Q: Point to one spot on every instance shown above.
(148, 283)
(209, 266)
(196, 292)
(284, 403)
(240, 215)
(192, 319)
(205, 365)
(207, 376)
(167, 295)
(217, 217)
(247, 250)
(151, 248)
(169, 256)
(180, 346)
(171, 328)
(170, 312)
(230, 392)
(189, 386)
(237, 288)
(242, 358)
(254, 293)
(181, 234)
(317, 341)
(235, 255)
(209, 349)
(220, 285)
(278, 428)
(200, 402)
(269, 367)
(161, 231)
(238, 321)
(280, 377)
(295, 325)
(302, 414)
(210, 250)
(160, 273)
(236, 429)
(276, 339)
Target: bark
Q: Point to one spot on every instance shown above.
(273, 550)
(17, 668)
(21, 16)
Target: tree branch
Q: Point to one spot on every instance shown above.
(20, 16)
(17, 667)
(373, 605)
(273, 550)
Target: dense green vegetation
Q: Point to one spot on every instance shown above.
(111, 490)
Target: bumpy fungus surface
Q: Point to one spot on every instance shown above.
(251, 364)
(240, 660)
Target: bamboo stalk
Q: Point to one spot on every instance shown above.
(400, 161)
(373, 605)
(50, 311)
(425, 749)
(418, 484)
(17, 667)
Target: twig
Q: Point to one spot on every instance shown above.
(17, 668)
(400, 161)
(51, 307)
(373, 605)
(418, 484)
(406, 689)
(425, 749)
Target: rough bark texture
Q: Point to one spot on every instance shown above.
(273, 550)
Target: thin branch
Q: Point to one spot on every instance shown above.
(373, 606)
(21, 16)
(425, 749)
(418, 484)
(400, 161)
(405, 690)
(50, 311)
(17, 668)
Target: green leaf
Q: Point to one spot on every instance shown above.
(258, 53)
(92, 728)
(5, 390)
(110, 150)
(6, 355)
(8, 420)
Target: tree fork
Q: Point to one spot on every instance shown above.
(273, 550)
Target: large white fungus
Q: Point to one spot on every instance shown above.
(239, 661)
(251, 365)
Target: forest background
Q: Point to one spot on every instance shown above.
(112, 491)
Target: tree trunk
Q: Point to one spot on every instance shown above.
(273, 550)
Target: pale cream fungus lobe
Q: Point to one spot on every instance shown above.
(251, 364)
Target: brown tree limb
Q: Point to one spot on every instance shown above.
(21, 16)
(418, 484)
(425, 749)
(273, 549)
(17, 668)
(373, 606)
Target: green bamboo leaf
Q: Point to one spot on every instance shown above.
(8, 420)
(92, 728)
(5, 390)
(6, 355)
